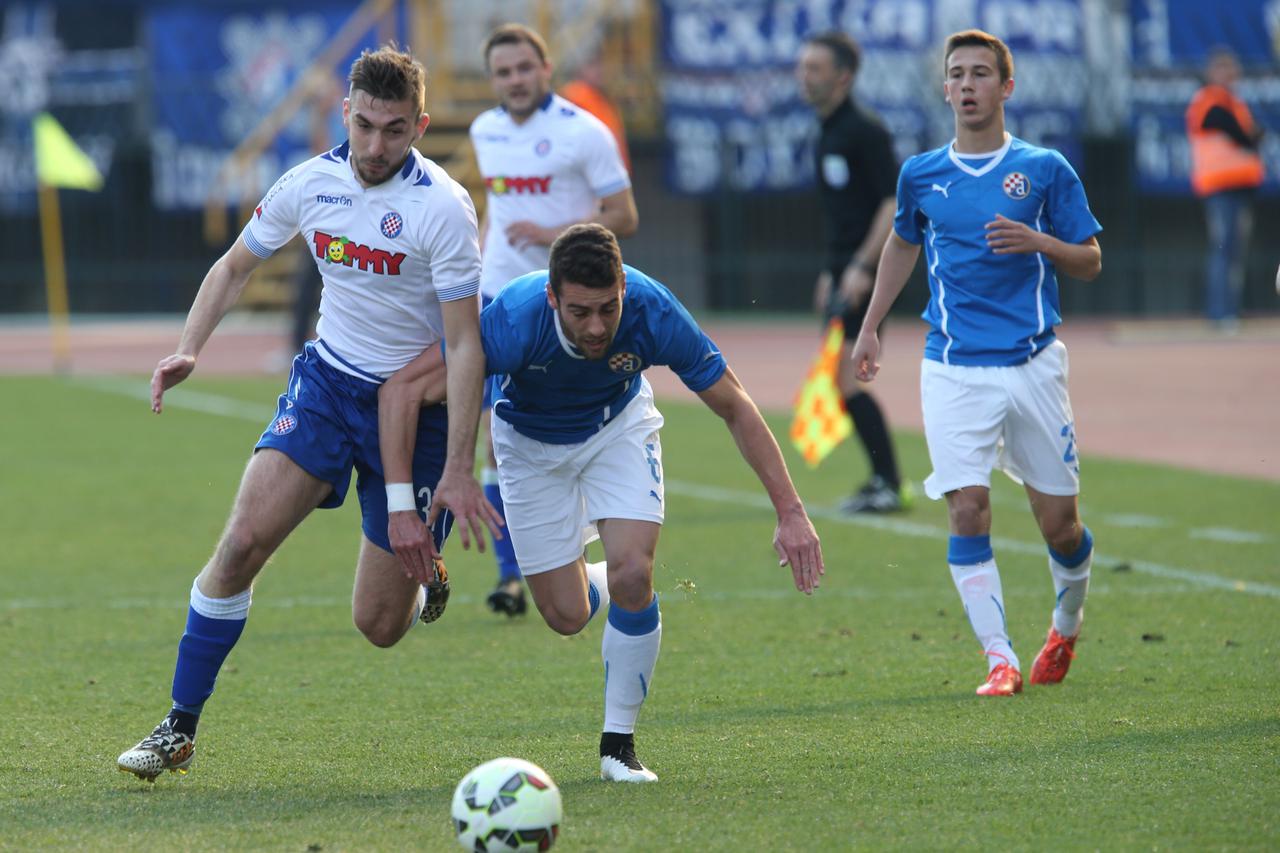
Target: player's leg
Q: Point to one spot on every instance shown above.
(623, 489)
(1040, 450)
(964, 410)
(275, 496)
(1070, 560)
(630, 645)
(386, 603)
(885, 490)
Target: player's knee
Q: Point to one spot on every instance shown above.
(239, 556)
(564, 622)
(631, 583)
(1063, 534)
(380, 629)
(969, 511)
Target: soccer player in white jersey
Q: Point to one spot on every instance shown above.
(397, 245)
(997, 217)
(575, 431)
(547, 164)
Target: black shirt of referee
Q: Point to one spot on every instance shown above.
(856, 173)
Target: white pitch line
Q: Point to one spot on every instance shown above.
(903, 527)
(228, 407)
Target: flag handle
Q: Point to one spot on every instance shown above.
(55, 276)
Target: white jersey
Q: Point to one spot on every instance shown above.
(550, 170)
(388, 254)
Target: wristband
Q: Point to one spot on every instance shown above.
(400, 498)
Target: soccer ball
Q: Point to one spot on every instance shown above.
(506, 804)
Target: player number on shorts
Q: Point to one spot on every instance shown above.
(1069, 433)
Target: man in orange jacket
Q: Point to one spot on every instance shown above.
(1226, 170)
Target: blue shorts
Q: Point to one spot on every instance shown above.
(327, 422)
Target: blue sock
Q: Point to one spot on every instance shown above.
(503, 550)
(213, 627)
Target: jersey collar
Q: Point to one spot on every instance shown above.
(996, 156)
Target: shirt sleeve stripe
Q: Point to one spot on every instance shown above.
(610, 189)
(458, 291)
(251, 242)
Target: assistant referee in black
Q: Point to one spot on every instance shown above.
(857, 180)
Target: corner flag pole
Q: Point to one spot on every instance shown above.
(59, 163)
(55, 275)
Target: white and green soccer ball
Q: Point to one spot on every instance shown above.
(507, 804)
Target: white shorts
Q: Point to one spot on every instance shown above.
(1016, 418)
(554, 493)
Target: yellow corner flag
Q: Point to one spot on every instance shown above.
(59, 161)
(820, 421)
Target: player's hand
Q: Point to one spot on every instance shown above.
(412, 542)
(460, 493)
(171, 370)
(525, 233)
(797, 545)
(855, 285)
(1007, 237)
(866, 349)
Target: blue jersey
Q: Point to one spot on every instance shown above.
(549, 392)
(987, 309)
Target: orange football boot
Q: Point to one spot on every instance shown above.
(1004, 680)
(1054, 660)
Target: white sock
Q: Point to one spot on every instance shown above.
(1071, 586)
(598, 587)
(419, 602)
(629, 660)
(979, 588)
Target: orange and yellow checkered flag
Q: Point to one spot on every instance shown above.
(820, 421)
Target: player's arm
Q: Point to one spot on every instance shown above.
(897, 259)
(220, 289)
(458, 490)
(795, 540)
(1081, 260)
(617, 212)
(859, 275)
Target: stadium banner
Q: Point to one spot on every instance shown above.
(734, 117)
(220, 69)
(1171, 39)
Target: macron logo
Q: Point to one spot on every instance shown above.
(322, 198)
(943, 189)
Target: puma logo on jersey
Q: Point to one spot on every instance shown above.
(341, 250)
(542, 367)
(503, 184)
(943, 189)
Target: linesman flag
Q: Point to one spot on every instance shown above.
(821, 422)
(59, 161)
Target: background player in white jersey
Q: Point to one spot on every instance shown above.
(547, 164)
(396, 242)
(576, 435)
(997, 217)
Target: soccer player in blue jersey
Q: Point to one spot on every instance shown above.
(396, 243)
(998, 218)
(575, 432)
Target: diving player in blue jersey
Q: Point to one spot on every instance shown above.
(575, 433)
(997, 218)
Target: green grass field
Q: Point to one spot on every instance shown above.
(776, 722)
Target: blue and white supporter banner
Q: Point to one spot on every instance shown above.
(1171, 39)
(734, 116)
(220, 69)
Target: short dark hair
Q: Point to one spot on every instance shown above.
(390, 74)
(979, 38)
(585, 254)
(515, 34)
(843, 48)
